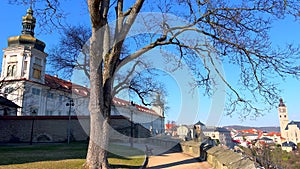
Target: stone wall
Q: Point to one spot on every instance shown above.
(191, 147)
(165, 143)
(15, 129)
(221, 158)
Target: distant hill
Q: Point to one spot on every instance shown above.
(267, 129)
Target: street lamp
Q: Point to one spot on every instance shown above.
(32, 125)
(70, 104)
(131, 123)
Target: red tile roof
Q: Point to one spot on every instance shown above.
(252, 131)
(170, 125)
(121, 102)
(273, 134)
(58, 84)
(67, 86)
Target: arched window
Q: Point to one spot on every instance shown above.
(8, 70)
(13, 70)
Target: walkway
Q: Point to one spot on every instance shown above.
(171, 160)
(176, 161)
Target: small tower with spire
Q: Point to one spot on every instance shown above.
(283, 117)
(24, 58)
(28, 23)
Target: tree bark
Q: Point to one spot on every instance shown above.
(99, 103)
(103, 65)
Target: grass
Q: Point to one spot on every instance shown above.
(63, 156)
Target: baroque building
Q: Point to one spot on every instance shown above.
(25, 82)
(290, 131)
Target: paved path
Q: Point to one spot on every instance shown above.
(176, 161)
(170, 160)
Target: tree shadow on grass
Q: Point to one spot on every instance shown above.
(111, 155)
(21, 154)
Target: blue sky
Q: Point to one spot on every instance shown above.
(282, 32)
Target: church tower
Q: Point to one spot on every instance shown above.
(283, 117)
(24, 58)
(158, 106)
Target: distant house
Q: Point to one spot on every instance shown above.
(7, 107)
(198, 131)
(219, 133)
(184, 132)
(289, 146)
(188, 132)
(275, 136)
(199, 125)
(266, 140)
(170, 129)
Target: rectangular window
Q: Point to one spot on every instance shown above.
(50, 95)
(13, 58)
(36, 91)
(60, 98)
(37, 73)
(25, 65)
(38, 61)
(49, 113)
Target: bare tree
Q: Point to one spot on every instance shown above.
(64, 56)
(236, 31)
(71, 53)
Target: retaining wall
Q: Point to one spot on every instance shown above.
(221, 158)
(18, 129)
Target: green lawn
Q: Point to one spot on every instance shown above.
(63, 156)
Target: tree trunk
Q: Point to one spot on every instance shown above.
(99, 105)
(98, 144)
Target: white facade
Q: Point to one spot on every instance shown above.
(26, 84)
(283, 118)
(290, 131)
(148, 118)
(221, 134)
